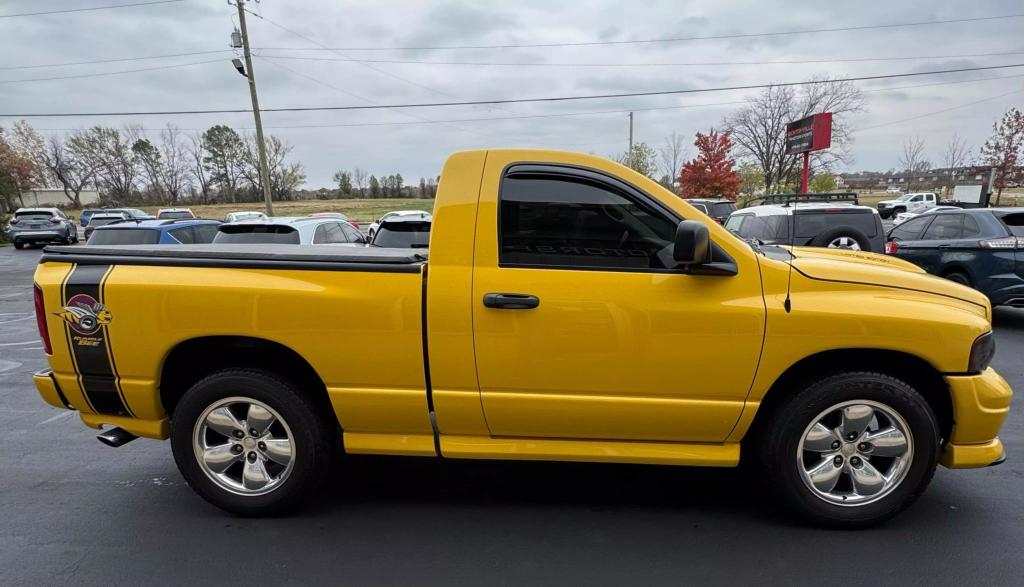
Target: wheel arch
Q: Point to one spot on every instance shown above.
(958, 267)
(915, 371)
(193, 359)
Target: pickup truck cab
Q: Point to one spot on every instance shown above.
(571, 309)
(912, 202)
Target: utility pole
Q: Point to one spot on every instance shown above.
(630, 152)
(264, 172)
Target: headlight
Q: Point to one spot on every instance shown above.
(982, 351)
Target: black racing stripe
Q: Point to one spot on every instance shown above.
(67, 338)
(96, 372)
(110, 348)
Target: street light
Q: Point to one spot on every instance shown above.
(239, 66)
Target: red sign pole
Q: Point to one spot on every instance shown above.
(807, 170)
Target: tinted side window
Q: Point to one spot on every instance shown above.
(911, 229)
(183, 235)
(353, 235)
(205, 233)
(971, 228)
(572, 222)
(944, 227)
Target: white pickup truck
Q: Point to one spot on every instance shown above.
(911, 202)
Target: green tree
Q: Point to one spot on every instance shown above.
(642, 159)
(822, 182)
(751, 178)
(224, 158)
(344, 180)
(374, 187)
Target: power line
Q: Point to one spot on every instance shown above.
(107, 73)
(676, 39)
(572, 114)
(115, 60)
(521, 100)
(90, 8)
(943, 111)
(655, 64)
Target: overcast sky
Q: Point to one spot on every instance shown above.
(418, 149)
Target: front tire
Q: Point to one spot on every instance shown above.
(850, 450)
(19, 245)
(249, 443)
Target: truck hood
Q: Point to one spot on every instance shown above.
(873, 269)
(891, 202)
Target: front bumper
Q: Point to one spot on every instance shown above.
(980, 405)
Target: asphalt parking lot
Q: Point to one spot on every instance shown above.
(74, 511)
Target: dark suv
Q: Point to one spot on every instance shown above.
(719, 208)
(980, 247)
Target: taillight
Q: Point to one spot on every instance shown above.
(891, 247)
(1010, 242)
(54, 220)
(14, 220)
(44, 332)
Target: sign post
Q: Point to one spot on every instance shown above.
(813, 133)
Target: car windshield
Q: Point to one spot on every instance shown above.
(174, 215)
(904, 197)
(403, 235)
(722, 209)
(104, 220)
(811, 224)
(125, 236)
(257, 234)
(1015, 223)
(30, 216)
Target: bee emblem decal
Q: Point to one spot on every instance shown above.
(84, 314)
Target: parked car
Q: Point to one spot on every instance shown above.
(156, 232)
(298, 230)
(904, 216)
(129, 213)
(174, 213)
(337, 215)
(372, 229)
(893, 190)
(717, 208)
(239, 216)
(103, 219)
(912, 202)
(979, 247)
(571, 309)
(814, 224)
(31, 226)
(406, 231)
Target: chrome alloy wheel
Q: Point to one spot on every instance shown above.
(244, 446)
(844, 242)
(855, 453)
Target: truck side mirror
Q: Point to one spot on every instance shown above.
(692, 243)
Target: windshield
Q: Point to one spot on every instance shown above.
(173, 215)
(101, 221)
(125, 236)
(722, 209)
(30, 216)
(403, 235)
(904, 197)
(257, 234)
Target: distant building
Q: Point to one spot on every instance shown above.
(55, 197)
(933, 179)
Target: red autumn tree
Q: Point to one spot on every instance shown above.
(710, 173)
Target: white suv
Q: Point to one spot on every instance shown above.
(913, 202)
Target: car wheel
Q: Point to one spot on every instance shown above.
(898, 211)
(850, 450)
(19, 245)
(249, 443)
(959, 277)
(843, 238)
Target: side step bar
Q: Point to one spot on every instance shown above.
(115, 437)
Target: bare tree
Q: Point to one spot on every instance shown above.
(759, 128)
(672, 154)
(197, 167)
(956, 153)
(112, 155)
(285, 177)
(176, 163)
(68, 168)
(360, 177)
(1003, 149)
(912, 159)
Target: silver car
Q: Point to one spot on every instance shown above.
(41, 225)
(298, 230)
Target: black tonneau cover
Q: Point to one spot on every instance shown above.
(315, 257)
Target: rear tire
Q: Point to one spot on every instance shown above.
(958, 277)
(19, 245)
(804, 443)
(251, 467)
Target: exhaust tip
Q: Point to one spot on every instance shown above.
(115, 437)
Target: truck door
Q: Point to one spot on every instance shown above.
(583, 327)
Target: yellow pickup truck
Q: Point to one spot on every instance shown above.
(571, 309)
